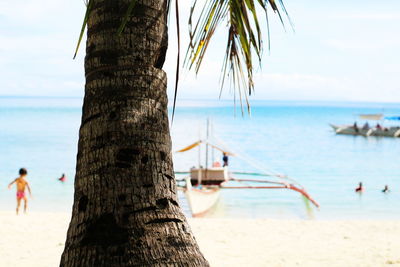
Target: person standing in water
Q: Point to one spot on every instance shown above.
(21, 184)
(386, 189)
(225, 160)
(360, 188)
(63, 178)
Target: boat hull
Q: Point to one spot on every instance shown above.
(350, 130)
(202, 200)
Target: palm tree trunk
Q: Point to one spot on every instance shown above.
(125, 210)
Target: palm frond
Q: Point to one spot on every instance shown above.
(177, 58)
(88, 5)
(127, 14)
(244, 38)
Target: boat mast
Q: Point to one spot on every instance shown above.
(199, 155)
(199, 168)
(208, 129)
(212, 148)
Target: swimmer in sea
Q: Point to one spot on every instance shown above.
(360, 188)
(21, 184)
(386, 189)
(63, 178)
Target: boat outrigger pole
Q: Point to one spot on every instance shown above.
(279, 185)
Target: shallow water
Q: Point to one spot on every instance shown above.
(289, 138)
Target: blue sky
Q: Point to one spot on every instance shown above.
(340, 51)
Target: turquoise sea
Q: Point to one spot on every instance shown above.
(290, 138)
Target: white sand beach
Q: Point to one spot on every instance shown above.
(37, 239)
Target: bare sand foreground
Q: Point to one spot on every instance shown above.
(37, 239)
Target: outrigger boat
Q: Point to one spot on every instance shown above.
(366, 130)
(202, 185)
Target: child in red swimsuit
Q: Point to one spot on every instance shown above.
(21, 185)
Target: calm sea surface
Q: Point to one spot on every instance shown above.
(285, 137)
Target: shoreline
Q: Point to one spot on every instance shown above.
(37, 239)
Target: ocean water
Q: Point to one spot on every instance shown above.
(282, 137)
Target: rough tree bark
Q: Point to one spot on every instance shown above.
(125, 210)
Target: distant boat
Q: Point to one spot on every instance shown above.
(202, 185)
(366, 129)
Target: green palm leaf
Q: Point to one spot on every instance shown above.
(88, 4)
(244, 38)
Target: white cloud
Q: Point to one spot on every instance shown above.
(38, 11)
(296, 86)
(367, 16)
(40, 45)
(364, 45)
(297, 80)
(38, 38)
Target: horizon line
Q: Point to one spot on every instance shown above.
(221, 100)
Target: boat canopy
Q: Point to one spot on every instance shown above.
(207, 142)
(375, 117)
